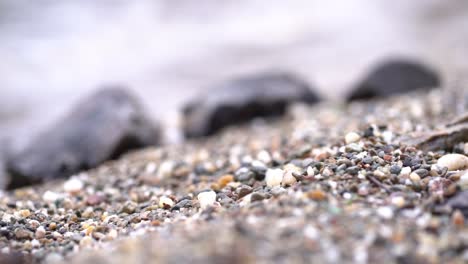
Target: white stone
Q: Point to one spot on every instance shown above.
(310, 171)
(165, 201)
(414, 177)
(453, 161)
(385, 212)
(464, 179)
(73, 185)
(165, 169)
(50, 196)
(398, 201)
(35, 243)
(206, 199)
(264, 156)
(274, 177)
(387, 136)
(352, 137)
(288, 179)
(311, 232)
(405, 171)
(7, 218)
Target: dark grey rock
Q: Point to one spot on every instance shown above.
(241, 100)
(101, 127)
(395, 169)
(394, 77)
(460, 202)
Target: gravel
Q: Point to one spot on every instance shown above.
(211, 205)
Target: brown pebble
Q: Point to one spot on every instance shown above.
(458, 219)
(52, 226)
(317, 195)
(21, 233)
(225, 180)
(155, 223)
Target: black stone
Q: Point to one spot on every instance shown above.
(395, 169)
(103, 126)
(394, 77)
(240, 100)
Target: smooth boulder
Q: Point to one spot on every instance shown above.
(395, 77)
(101, 127)
(243, 99)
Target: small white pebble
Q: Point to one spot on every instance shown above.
(385, 212)
(35, 243)
(274, 177)
(112, 234)
(150, 168)
(414, 177)
(387, 136)
(352, 137)
(206, 199)
(311, 232)
(398, 201)
(453, 161)
(7, 218)
(464, 179)
(347, 195)
(165, 170)
(264, 156)
(165, 202)
(405, 171)
(73, 185)
(288, 179)
(50, 196)
(310, 171)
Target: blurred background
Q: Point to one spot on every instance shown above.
(54, 52)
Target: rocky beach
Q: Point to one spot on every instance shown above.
(233, 132)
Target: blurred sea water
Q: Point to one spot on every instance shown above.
(54, 52)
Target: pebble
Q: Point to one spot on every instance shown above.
(317, 195)
(288, 179)
(395, 169)
(206, 199)
(165, 170)
(458, 219)
(22, 233)
(25, 213)
(166, 202)
(50, 196)
(225, 180)
(244, 190)
(405, 171)
(274, 177)
(40, 232)
(398, 201)
(256, 196)
(464, 179)
(352, 137)
(264, 156)
(73, 186)
(414, 177)
(385, 212)
(453, 161)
